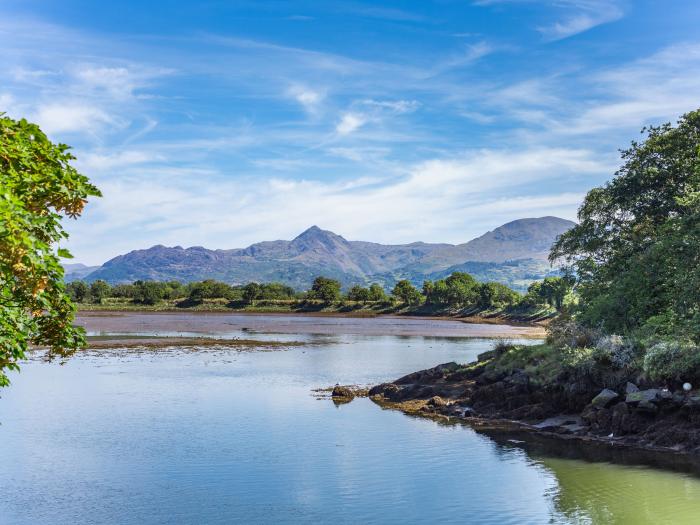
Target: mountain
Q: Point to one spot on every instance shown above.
(77, 271)
(515, 253)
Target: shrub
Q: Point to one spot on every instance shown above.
(614, 350)
(672, 360)
(564, 332)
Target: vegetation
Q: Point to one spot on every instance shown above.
(459, 294)
(39, 188)
(636, 251)
(630, 303)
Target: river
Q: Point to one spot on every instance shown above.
(217, 435)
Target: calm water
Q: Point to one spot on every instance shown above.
(214, 436)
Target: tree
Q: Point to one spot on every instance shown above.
(497, 295)
(251, 292)
(358, 293)
(462, 290)
(77, 291)
(325, 289)
(148, 292)
(376, 293)
(99, 290)
(39, 188)
(635, 253)
(209, 289)
(407, 293)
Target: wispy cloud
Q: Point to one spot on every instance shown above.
(449, 200)
(584, 15)
(576, 16)
(350, 122)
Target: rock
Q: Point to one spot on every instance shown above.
(342, 391)
(519, 377)
(603, 399)
(649, 395)
(631, 387)
(385, 389)
(565, 422)
(437, 401)
(665, 395)
(485, 356)
(619, 418)
(647, 406)
(436, 372)
(692, 402)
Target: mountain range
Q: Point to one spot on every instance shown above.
(514, 253)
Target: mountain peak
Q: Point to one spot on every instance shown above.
(316, 233)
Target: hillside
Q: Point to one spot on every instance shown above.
(515, 253)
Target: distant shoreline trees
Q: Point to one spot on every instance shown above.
(459, 291)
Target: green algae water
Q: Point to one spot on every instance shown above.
(222, 436)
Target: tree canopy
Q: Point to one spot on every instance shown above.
(636, 250)
(38, 189)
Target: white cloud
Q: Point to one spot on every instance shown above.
(6, 101)
(396, 106)
(594, 13)
(72, 117)
(349, 123)
(449, 200)
(657, 88)
(309, 99)
(97, 162)
(579, 15)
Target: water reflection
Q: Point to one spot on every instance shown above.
(219, 437)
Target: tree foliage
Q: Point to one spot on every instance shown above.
(636, 249)
(38, 189)
(407, 293)
(325, 289)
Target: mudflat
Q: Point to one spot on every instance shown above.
(211, 323)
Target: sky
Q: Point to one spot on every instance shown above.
(223, 123)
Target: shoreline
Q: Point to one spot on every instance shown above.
(654, 420)
(532, 318)
(101, 322)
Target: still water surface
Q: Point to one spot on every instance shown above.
(220, 436)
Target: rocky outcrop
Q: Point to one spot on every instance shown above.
(620, 414)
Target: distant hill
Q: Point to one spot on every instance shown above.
(515, 253)
(77, 271)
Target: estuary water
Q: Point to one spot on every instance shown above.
(217, 435)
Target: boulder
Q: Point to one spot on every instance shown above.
(631, 387)
(342, 391)
(388, 390)
(485, 356)
(650, 395)
(436, 401)
(647, 406)
(605, 397)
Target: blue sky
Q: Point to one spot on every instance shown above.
(223, 123)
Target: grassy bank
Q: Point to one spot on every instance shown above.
(350, 308)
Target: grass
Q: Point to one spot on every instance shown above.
(542, 363)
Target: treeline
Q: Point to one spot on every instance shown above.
(459, 291)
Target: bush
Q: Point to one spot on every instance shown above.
(564, 332)
(672, 360)
(614, 350)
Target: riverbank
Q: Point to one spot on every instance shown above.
(529, 393)
(238, 324)
(537, 315)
